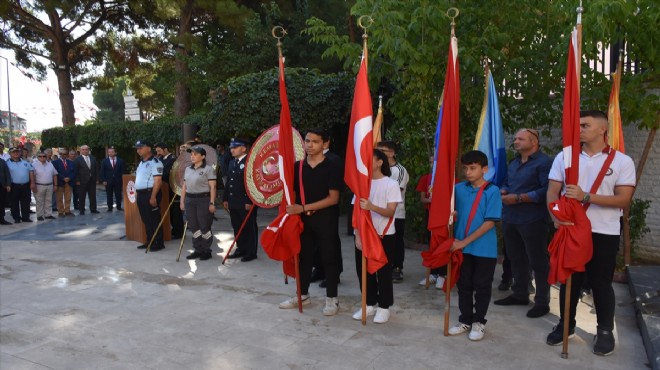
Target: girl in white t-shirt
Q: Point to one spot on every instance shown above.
(383, 199)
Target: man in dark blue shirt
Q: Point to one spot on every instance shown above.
(525, 222)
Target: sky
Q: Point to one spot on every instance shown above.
(38, 102)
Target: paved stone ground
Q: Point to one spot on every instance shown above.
(74, 294)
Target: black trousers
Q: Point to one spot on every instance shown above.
(199, 222)
(84, 190)
(247, 242)
(319, 234)
(474, 288)
(74, 195)
(399, 246)
(598, 273)
(176, 216)
(379, 285)
(150, 216)
(112, 188)
(527, 247)
(19, 200)
(4, 197)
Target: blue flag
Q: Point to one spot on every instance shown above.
(490, 135)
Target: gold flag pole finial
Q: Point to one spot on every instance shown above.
(453, 13)
(282, 33)
(579, 11)
(361, 22)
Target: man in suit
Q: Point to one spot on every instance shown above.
(176, 216)
(236, 200)
(112, 168)
(66, 177)
(86, 180)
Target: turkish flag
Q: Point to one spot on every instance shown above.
(569, 253)
(446, 153)
(357, 175)
(281, 239)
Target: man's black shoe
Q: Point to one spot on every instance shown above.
(556, 337)
(109, 210)
(206, 256)
(5, 222)
(17, 220)
(175, 237)
(193, 255)
(316, 276)
(40, 218)
(32, 212)
(50, 217)
(603, 343)
(504, 286)
(143, 246)
(156, 248)
(397, 275)
(119, 209)
(512, 301)
(248, 258)
(538, 311)
(26, 220)
(95, 211)
(235, 255)
(82, 213)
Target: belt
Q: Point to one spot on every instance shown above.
(198, 195)
(143, 190)
(14, 183)
(43, 184)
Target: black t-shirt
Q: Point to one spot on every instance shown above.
(317, 181)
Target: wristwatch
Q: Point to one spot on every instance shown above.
(586, 198)
(518, 198)
(212, 203)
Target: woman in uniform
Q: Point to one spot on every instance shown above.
(198, 201)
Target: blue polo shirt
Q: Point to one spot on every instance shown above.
(490, 209)
(146, 171)
(20, 171)
(529, 178)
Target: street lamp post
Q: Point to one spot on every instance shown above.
(8, 143)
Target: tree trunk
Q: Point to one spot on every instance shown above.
(66, 96)
(182, 89)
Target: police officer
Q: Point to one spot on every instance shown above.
(176, 217)
(22, 182)
(148, 178)
(236, 200)
(198, 200)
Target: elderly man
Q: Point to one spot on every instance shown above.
(525, 222)
(22, 181)
(87, 172)
(45, 179)
(66, 177)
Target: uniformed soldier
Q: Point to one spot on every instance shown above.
(176, 217)
(198, 200)
(236, 200)
(148, 178)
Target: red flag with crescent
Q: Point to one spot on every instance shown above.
(357, 175)
(281, 239)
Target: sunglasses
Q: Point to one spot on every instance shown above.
(532, 131)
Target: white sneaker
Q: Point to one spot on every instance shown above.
(432, 279)
(382, 315)
(477, 332)
(331, 306)
(293, 301)
(459, 328)
(371, 310)
(439, 282)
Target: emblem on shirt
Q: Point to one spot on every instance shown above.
(160, 169)
(130, 191)
(242, 166)
(609, 172)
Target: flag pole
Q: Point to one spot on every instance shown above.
(569, 280)
(365, 55)
(455, 13)
(296, 257)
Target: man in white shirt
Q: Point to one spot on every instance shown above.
(605, 209)
(4, 155)
(45, 178)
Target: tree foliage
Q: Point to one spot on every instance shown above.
(248, 105)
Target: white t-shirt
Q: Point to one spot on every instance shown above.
(400, 175)
(604, 220)
(384, 191)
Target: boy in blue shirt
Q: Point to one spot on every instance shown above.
(478, 207)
